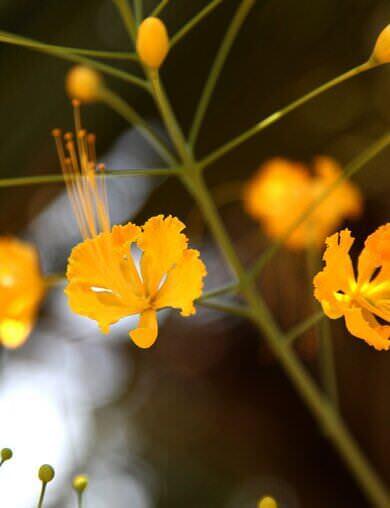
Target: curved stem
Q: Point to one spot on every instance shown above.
(194, 21)
(42, 495)
(277, 115)
(235, 310)
(59, 178)
(115, 102)
(77, 58)
(159, 8)
(128, 18)
(223, 290)
(302, 327)
(356, 165)
(230, 36)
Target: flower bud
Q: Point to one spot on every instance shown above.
(381, 52)
(6, 454)
(152, 42)
(80, 483)
(83, 83)
(267, 502)
(46, 473)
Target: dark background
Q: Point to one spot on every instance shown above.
(221, 422)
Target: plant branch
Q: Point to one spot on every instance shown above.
(194, 21)
(236, 310)
(301, 328)
(227, 42)
(77, 58)
(356, 165)
(159, 8)
(128, 18)
(124, 109)
(277, 115)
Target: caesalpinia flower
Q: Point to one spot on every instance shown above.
(362, 299)
(22, 288)
(104, 282)
(282, 190)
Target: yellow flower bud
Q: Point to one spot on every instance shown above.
(83, 83)
(381, 52)
(267, 502)
(46, 473)
(6, 454)
(80, 483)
(152, 42)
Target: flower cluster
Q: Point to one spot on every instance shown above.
(281, 191)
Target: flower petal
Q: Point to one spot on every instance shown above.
(363, 325)
(103, 282)
(337, 276)
(146, 334)
(162, 244)
(183, 285)
(376, 253)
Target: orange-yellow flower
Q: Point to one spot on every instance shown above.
(21, 291)
(105, 285)
(104, 282)
(363, 299)
(282, 190)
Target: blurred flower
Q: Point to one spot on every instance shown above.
(381, 52)
(104, 283)
(83, 83)
(364, 301)
(21, 290)
(152, 42)
(267, 502)
(281, 191)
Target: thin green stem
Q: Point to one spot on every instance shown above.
(59, 178)
(159, 7)
(138, 11)
(227, 42)
(356, 165)
(79, 500)
(169, 118)
(42, 495)
(115, 102)
(128, 18)
(194, 21)
(301, 328)
(235, 310)
(77, 58)
(277, 115)
(224, 290)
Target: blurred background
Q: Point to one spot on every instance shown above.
(206, 418)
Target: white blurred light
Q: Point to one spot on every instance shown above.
(39, 426)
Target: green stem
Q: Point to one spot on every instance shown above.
(59, 178)
(228, 288)
(42, 495)
(227, 42)
(169, 117)
(159, 8)
(299, 329)
(277, 115)
(115, 102)
(194, 21)
(77, 58)
(138, 11)
(128, 18)
(79, 500)
(358, 163)
(235, 310)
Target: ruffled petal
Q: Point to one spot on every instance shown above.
(162, 244)
(332, 284)
(363, 325)
(376, 253)
(146, 334)
(183, 285)
(103, 282)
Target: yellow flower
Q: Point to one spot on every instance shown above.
(363, 299)
(104, 282)
(105, 285)
(21, 291)
(83, 83)
(282, 190)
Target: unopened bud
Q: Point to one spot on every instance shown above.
(6, 454)
(267, 502)
(80, 483)
(381, 52)
(46, 473)
(152, 42)
(83, 83)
